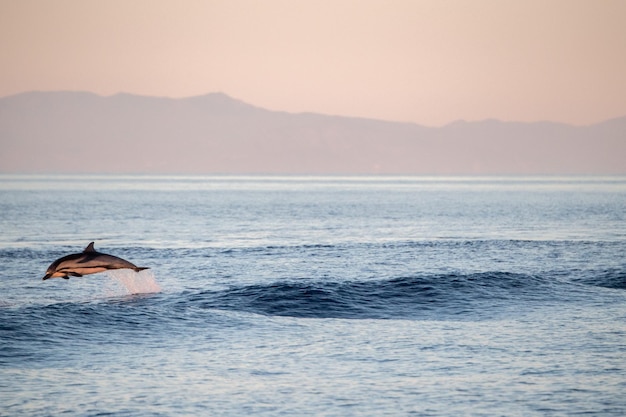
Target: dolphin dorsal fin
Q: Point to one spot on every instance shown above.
(89, 248)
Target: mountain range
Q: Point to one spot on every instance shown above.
(79, 132)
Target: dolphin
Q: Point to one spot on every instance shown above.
(87, 262)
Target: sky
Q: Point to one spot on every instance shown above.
(428, 62)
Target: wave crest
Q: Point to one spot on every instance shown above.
(404, 297)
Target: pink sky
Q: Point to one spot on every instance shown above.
(428, 62)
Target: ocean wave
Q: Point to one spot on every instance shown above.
(397, 298)
(612, 278)
(428, 296)
(137, 317)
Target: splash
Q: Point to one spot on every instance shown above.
(133, 282)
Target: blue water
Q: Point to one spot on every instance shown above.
(316, 296)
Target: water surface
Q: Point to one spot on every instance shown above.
(315, 296)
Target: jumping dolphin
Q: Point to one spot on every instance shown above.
(87, 262)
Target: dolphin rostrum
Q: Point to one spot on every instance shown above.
(87, 262)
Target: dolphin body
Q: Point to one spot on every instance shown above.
(87, 262)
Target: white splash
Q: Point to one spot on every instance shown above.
(132, 282)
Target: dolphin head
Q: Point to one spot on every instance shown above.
(52, 271)
(57, 268)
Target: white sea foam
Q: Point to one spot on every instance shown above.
(132, 282)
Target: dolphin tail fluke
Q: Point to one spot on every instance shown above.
(140, 268)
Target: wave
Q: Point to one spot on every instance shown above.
(436, 296)
(123, 319)
(611, 278)
(29, 332)
(398, 298)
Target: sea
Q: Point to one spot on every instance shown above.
(315, 296)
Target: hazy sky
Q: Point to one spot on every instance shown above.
(429, 62)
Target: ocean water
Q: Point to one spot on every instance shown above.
(315, 296)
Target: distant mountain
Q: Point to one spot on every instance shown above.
(77, 132)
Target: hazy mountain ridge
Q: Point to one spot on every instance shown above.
(214, 133)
